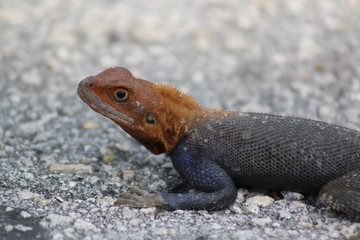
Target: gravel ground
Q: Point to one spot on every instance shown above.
(62, 165)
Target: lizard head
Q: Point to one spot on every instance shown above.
(155, 115)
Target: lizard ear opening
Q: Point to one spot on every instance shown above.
(150, 119)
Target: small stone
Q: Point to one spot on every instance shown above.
(124, 146)
(128, 174)
(149, 210)
(72, 184)
(8, 209)
(251, 209)
(22, 228)
(42, 137)
(108, 155)
(235, 208)
(28, 176)
(284, 214)
(56, 219)
(106, 201)
(297, 206)
(93, 179)
(261, 221)
(134, 222)
(90, 125)
(84, 225)
(305, 225)
(240, 221)
(9, 228)
(261, 201)
(25, 214)
(292, 196)
(71, 168)
(26, 195)
(276, 225)
(240, 196)
(59, 199)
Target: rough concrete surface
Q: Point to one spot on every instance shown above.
(62, 165)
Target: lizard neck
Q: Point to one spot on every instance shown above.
(182, 114)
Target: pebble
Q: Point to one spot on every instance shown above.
(107, 154)
(9, 228)
(252, 205)
(292, 196)
(128, 174)
(71, 168)
(23, 228)
(43, 137)
(134, 222)
(88, 125)
(26, 195)
(284, 214)
(235, 208)
(28, 176)
(106, 201)
(85, 225)
(305, 225)
(251, 209)
(239, 220)
(148, 211)
(261, 221)
(56, 219)
(261, 201)
(25, 214)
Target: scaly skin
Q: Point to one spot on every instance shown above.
(219, 151)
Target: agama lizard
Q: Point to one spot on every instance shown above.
(218, 151)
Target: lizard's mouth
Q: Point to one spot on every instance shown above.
(97, 104)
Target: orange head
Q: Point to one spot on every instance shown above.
(155, 115)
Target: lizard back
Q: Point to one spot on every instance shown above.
(273, 152)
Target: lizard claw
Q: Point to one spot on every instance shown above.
(140, 198)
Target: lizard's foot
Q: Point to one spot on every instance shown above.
(140, 198)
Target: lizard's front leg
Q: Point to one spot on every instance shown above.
(214, 189)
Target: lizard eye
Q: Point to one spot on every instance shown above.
(150, 119)
(121, 95)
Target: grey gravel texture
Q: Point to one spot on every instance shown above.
(62, 165)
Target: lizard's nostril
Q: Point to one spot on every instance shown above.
(87, 82)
